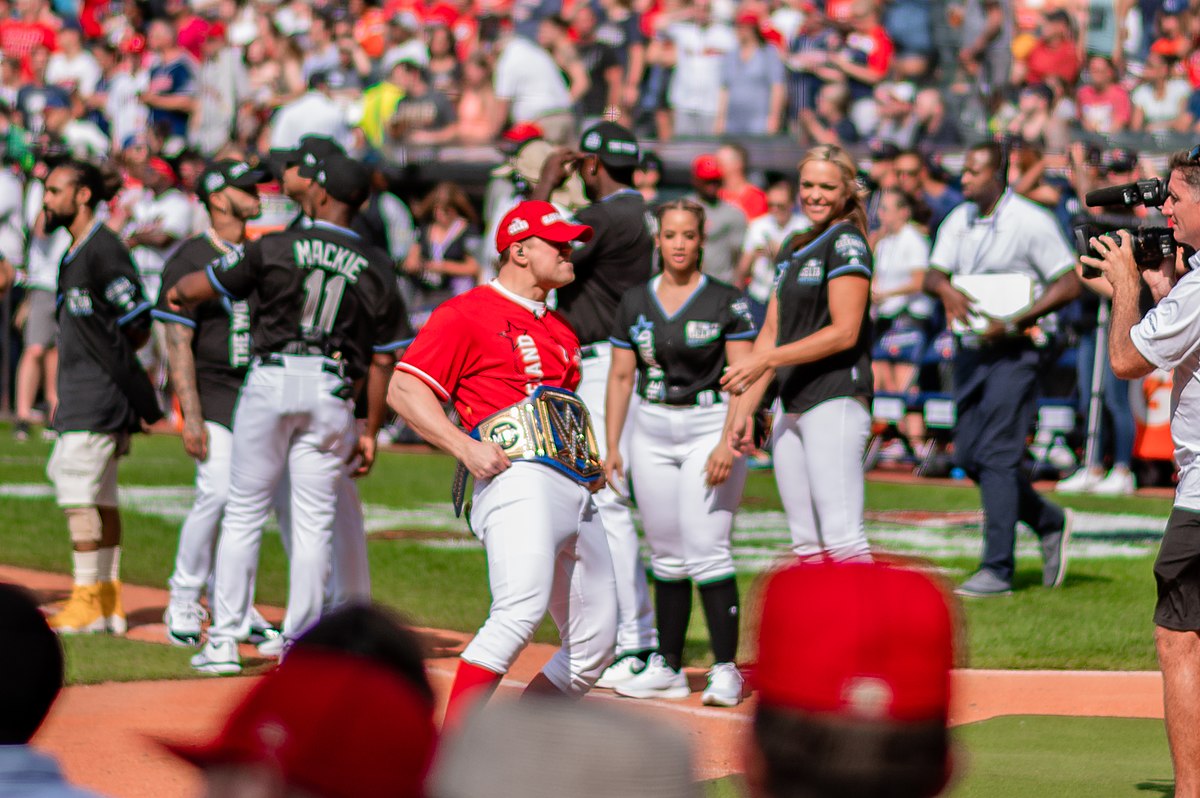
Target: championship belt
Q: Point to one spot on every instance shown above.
(551, 427)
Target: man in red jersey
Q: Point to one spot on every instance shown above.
(510, 365)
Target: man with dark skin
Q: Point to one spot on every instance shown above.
(1000, 361)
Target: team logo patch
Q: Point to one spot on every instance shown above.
(121, 294)
(699, 333)
(591, 142)
(811, 272)
(78, 301)
(214, 182)
(238, 169)
(740, 307)
(849, 245)
(517, 226)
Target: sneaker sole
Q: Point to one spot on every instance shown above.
(219, 668)
(672, 693)
(1068, 527)
(96, 627)
(710, 700)
(978, 594)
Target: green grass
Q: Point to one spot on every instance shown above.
(1099, 620)
(1047, 757)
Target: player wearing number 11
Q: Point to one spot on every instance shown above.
(326, 305)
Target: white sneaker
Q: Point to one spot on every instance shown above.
(656, 680)
(184, 620)
(724, 686)
(261, 630)
(1119, 482)
(620, 672)
(272, 647)
(219, 658)
(1082, 481)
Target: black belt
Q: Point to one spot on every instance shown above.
(305, 348)
(335, 367)
(717, 398)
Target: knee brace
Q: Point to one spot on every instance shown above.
(84, 524)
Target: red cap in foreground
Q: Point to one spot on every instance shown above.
(705, 167)
(336, 725)
(533, 218)
(866, 641)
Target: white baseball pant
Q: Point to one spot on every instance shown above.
(287, 417)
(546, 550)
(350, 578)
(818, 459)
(686, 522)
(635, 613)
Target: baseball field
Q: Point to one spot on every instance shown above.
(425, 563)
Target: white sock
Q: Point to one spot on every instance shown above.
(109, 563)
(87, 567)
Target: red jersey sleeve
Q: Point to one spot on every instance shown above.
(441, 352)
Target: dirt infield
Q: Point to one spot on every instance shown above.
(104, 735)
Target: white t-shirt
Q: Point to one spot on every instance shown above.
(45, 252)
(1169, 337)
(80, 71)
(699, 53)
(766, 235)
(1165, 108)
(170, 212)
(12, 219)
(126, 114)
(897, 258)
(1020, 237)
(313, 114)
(527, 76)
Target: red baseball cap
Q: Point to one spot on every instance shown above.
(748, 18)
(866, 641)
(336, 725)
(532, 219)
(164, 169)
(705, 167)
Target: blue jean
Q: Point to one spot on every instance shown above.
(1116, 425)
(996, 393)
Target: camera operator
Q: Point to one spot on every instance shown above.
(997, 370)
(1168, 337)
(1115, 425)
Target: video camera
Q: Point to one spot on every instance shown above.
(1151, 245)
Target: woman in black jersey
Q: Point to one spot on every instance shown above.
(676, 334)
(816, 338)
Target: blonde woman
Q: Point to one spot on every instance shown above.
(817, 339)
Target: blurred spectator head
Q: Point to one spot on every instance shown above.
(1120, 165)
(445, 204)
(441, 42)
(897, 208)
(983, 174)
(552, 31)
(748, 28)
(1158, 67)
(833, 101)
(518, 135)
(781, 201)
(610, 153)
(157, 175)
(28, 683)
(706, 177)
(853, 702)
(1036, 98)
(882, 170)
(328, 724)
(910, 170)
(928, 106)
(230, 188)
(1100, 72)
(599, 751)
(57, 111)
(731, 160)
(1056, 26)
(135, 151)
(477, 74)
(584, 22)
(649, 171)
(160, 37)
(864, 16)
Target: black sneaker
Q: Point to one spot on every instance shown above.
(21, 431)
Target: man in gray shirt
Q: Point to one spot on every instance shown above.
(725, 224)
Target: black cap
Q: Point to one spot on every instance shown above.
(650, 162)
(1120, 159)
(882, 150)
(310, 151)
(227, 172)
(346, 179)
(613, 144)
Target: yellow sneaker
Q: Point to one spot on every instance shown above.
(81, 614)
(111, 609)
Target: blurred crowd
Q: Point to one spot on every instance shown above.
(376, 74)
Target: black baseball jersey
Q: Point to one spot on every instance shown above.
(320, 290)
(680, 358)
(99, 297)
(802, 293)
(221, 329)
(616, 259)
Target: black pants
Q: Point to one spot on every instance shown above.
(1177, 573)
(996, 393)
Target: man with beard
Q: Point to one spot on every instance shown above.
(104, 395)
(617, 258)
